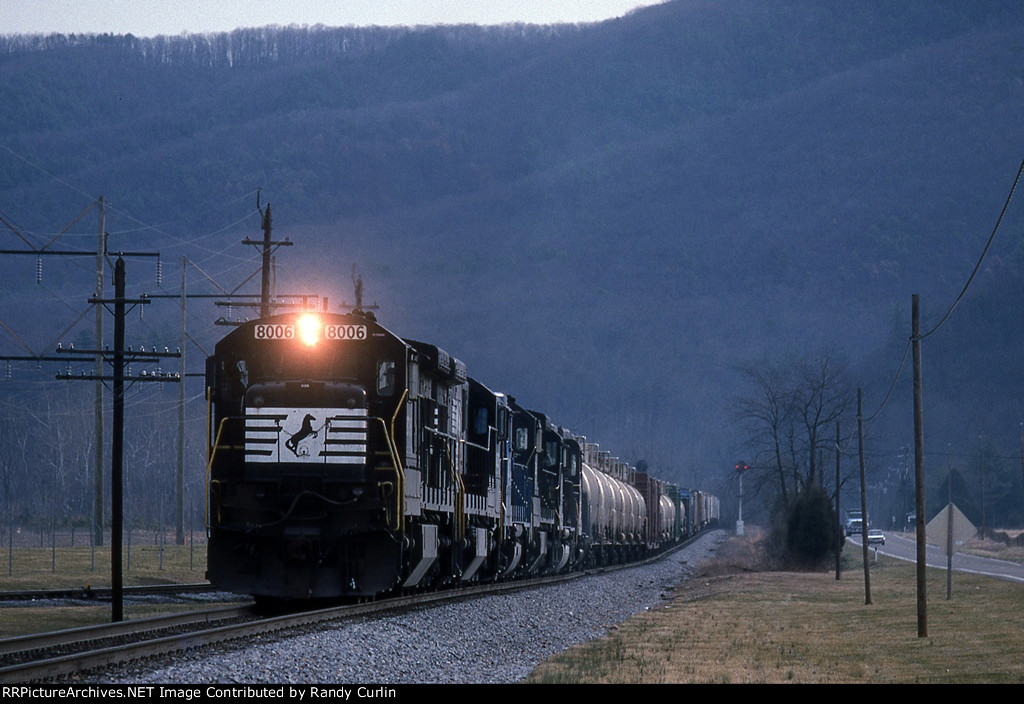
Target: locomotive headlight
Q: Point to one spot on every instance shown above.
(308, 326)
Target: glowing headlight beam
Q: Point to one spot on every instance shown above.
(308, 326)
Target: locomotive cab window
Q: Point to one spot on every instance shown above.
(551, 454)
(242, 373)
(385, 377)
(480, 423)
(522, 439)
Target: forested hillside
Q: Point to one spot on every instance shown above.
(607, 220)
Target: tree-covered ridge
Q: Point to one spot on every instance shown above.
(642, 206)
(260, 46)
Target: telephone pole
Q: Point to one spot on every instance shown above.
(98, 434)
(118, 357)
(863, 499)
(839, 520)
(922, 593)
(268, 246)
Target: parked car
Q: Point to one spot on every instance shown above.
(876, 536)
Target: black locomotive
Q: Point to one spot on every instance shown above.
(345, 461)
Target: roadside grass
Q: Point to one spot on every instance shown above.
(729, 625)
(27, 569)
(995, 549)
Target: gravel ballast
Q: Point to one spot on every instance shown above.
(490, 640)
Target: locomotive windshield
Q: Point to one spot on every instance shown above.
(277, 361)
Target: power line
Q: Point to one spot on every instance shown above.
(892, 387)
(977, 266)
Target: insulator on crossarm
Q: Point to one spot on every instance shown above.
(39, 270)
(8, 370)
(159, 271)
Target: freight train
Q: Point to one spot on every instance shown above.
(348, 462)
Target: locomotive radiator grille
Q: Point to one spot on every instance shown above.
(310, 435)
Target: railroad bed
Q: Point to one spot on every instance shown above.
(488, 640)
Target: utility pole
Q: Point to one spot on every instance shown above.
(981, 473)
(98, 435)
(265, 282)
(357, 285)
(179, 503)
(118, 358)
(117, 450)
(863, 500)
(267, 246)
(949, 535)
(922, 594)
(839, 521)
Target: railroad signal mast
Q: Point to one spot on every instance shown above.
(741, 469)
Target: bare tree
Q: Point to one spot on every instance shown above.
(766, 415)
(821, 394)
(787, 417)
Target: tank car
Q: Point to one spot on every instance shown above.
(613, 510)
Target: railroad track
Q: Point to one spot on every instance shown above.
(44, 656)
(39, 656)
(90, 593)
(51, 655)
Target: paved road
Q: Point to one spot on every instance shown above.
(903, 547)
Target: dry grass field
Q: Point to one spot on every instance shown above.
(734, 623)
(34, 568)
(65, 567)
